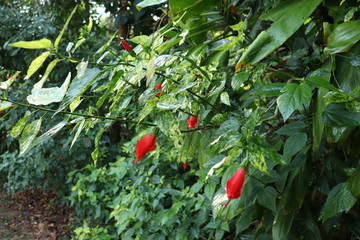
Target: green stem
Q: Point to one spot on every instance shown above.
(77, 114)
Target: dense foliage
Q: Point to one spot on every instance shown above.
(231, 119)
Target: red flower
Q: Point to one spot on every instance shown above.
(135, 162)
(185, 165)
(61, 155)
(145, 145)
(9, 77)
(126, 46)
(1, 111)
(159, 87)
(235, 184)
(192, 122)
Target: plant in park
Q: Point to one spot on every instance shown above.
(274, 91)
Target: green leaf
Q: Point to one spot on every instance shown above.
(293, 97)
(58, 39)
(339, 200)
(106, 45)
(343, 37)
(336, 115)
(193, 8)
(36, 64)
(353, 183)
(292, 128)
(148, 3)
(28, 135)
(83, 80)
(245, 220)
(95, 153)
(257, 159)
(224, 97)
(269, 90)
(77, 134)
(282, 224)
(37, 44)
(238, 79)
(210, 190)
(287, 23)
(321, 82)
(318, 126)
(294, 144)
(267, 198)
(19, 126)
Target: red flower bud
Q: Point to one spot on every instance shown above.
(61, 155)
(1, 112)
(145, 145)
(135, 162)
(159, 87)
(126, 46)
(235, 184)
(192, 122)
(185, 165)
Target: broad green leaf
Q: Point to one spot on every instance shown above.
(58, 39)
(292, 128)
(6, 84)
(186, 86)
(19, 126)
(294, 144)
(219, 199)
(269, 90)
(28, 135)
(353, 183)
(210, 190)
(245, 220)
(217, 59)
(343, 37)
(321, 82)
(224, 97)
(292, 97)
(148, 3)
(4, 105)
(286, 24)
(267, 198)
(149, 107)
(37, 44)
(238, 79)
(83, 80)
(279, 11)
(46, 96)
(36, 64)
(336, 115)
(339, 200)
(282, 224)
(193, 8)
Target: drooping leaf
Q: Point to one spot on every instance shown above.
(36, 64)
(292, 97)
(339, 200)
(19, 126)
(6, 84)
(82, 81)
(343, 37)
(267, 198)
(37, 44)
(28, 135)
(191, 7)
(48, 134)
(224, 97)
(282, 224)
(292, 128)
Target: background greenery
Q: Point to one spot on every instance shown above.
(274, 84)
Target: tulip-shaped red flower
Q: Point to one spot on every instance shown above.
(185, 165)
(159, 86)
(126, 46)
(145, 145)
(235, 184)
(192, 122)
